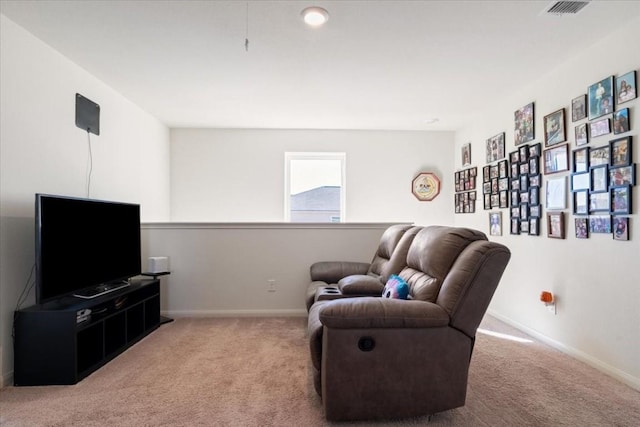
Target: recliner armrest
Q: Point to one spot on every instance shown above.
(361, 284)
(370, 312)
(332, 271)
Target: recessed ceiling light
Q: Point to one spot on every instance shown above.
(315, 16)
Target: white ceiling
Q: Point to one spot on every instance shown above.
(374, 65)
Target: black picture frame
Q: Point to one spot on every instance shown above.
(581, 202)
(534, 226)
(487, 201)
(579, 108)
(621, 121)
(504, 199)
(534, 165)
(599, 156)
(554, 128)
(503, 168)
(622, 175)
(514, 156)
(582, 228)
(495, 148)
(620, 199)
(630, 89)
(581, 134)
(535, 211)
(620, 229)
(535, 150)
(580, 159)
(524, 124)
(515, 226)
(600, 98)
(535, 180)
(534, 195)
(620, 151)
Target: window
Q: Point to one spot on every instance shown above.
(314, 187)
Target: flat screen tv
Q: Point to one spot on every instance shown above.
(84, 245)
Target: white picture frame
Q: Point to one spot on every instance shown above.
(556, 193)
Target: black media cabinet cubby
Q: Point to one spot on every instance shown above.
(50, 347)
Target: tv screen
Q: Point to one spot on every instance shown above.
(84, 243)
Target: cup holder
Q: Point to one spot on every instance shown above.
(331, 291)
(331, 288)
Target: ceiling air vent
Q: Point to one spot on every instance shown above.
(559, 8)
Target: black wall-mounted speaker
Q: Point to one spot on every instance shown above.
(87, 114)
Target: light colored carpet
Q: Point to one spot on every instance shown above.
(255, 372)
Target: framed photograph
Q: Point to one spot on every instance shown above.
(599, 202)
(524, 197)
(599, 156)
(524, 227)
(515, 197)
(599, 178)
(600, 97)
(581, 202)
(620, 151)
(600, 224)
(515, 226)
(515, 211)
(524, 124)
(524, 182)
(620, 228)
(495, 148)
(494, 185)
(579, 108)
(524, 168)
(555, 225)
(556, 159)
(582, 137)
(621, 121)
(515, 184)
(486, 171)
(503, 169)
(535, 211)
(495, 200)
(487, 202)
(534, 166)
(515, 170)
(581, 159)
(466, 154)
(623, 175)
(535, 150)
(580, 181)
(534, 226)
(524, 153)
(494, 171)
(582, 228)
(555, 196)
(599, 127)
(534, 195)
(524, 212)
(486, 188)
(621, 200)
(554, 128)
(535, 180)
(626, 87)
(514, 156)
(504, 199)
(495, 223)
(503, 184)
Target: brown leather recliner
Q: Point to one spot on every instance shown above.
(378, 358)
(339, 279)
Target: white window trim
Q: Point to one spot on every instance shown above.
(288, 156)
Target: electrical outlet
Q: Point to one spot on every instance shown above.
(271, 285)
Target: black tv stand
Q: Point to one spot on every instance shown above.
(52, 345)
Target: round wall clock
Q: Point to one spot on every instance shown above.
(425, 186)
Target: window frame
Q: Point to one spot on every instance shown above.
(291, 155)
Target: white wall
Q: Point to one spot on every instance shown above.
(41, 150)
(222, 175)
(223, 269)
(595, 280)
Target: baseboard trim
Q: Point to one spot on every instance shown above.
(6, 379)
(612, 371)
(236, 313)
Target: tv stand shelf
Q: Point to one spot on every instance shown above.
(51, 347)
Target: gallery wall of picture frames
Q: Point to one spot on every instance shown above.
(599, 170)
(465, 189)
